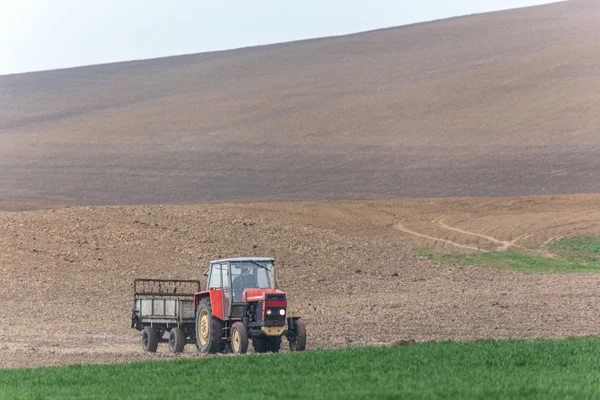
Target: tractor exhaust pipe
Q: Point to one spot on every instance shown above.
(273, 277)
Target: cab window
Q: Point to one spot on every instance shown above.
(216, 272)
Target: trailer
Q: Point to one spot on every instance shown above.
(165, 305)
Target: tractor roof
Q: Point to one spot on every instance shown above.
(240, 259)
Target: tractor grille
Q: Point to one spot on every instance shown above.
(273, 310)
(275, 296)
(275, 315)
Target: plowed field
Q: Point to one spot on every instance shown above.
(349, 269)
(501, 104)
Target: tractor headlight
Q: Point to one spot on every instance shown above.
(269, 311)
(282, 312)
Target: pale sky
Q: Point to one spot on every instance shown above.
(49, 34)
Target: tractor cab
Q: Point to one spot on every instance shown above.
(235, 276)
(242, 301)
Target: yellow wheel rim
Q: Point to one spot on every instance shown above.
(235, 340)
(204, 327)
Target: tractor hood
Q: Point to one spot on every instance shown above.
(251, 295)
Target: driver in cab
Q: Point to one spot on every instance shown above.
(244, 280)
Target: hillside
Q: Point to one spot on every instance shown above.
(504, 103)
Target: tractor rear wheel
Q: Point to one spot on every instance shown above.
(176, 340)
(298, 339)
(239, 338)
(208, 330)
(149, 339)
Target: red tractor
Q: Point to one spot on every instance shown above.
(242, 301)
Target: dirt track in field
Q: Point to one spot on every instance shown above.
(348, 269)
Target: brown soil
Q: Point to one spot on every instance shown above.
(502, 104)
(349, 271)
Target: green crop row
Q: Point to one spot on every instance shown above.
(579, 255)
(523, 369)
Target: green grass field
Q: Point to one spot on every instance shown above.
(580, 254)
(532, 369)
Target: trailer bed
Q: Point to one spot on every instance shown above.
(163, 301)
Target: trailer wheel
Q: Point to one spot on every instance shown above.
(298, 339)
(149, 339)
(239, 338)
(208, 330)
(176, 340)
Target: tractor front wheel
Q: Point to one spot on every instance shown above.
(275, 344)
(267, 343)
(208, 330)
(149, 339)
(298, 339)
(176, 340)
(239, 338)
(260, 344)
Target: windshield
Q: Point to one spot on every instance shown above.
(255, 274)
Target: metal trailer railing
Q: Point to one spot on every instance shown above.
(163, 302)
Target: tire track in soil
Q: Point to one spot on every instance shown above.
(399, 226)
(504, 245)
